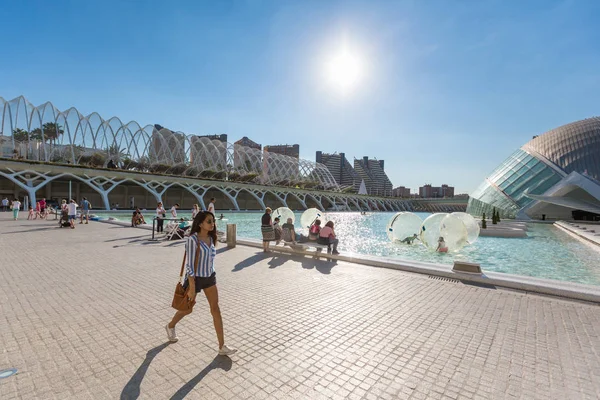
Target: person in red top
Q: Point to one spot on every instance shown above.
(313, 231)
(327, 236)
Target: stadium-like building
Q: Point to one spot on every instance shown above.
(555, 176)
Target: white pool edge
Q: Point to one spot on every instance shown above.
(562, 289)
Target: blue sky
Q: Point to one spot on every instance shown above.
(448, 89)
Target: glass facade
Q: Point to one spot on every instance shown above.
(506, 187)
(537, 166)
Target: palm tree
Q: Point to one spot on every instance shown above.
(20, 135)
(52, 131)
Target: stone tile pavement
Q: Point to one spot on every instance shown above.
(82, 315)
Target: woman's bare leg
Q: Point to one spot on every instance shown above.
(212, 295)
(178, 317)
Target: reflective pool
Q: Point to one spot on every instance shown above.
(547, 252)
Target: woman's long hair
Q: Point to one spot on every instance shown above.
(199, 219)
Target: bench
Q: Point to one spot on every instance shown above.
(304, 248)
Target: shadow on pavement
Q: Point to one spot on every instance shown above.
(250, 261)
(277, 261)
(48, 228)
(132, 388)
(322, 266)
(222, 362)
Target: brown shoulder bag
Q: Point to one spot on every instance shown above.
(181, 301)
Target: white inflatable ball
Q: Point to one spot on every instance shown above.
(283, 213)
(430, 230)
(471, 225)
(309, 216)
(454, 232)
(403, 226)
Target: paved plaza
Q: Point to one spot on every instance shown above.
(82, 316)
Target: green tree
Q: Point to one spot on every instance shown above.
(494, 216)
(483, 222)
(20, 135)
(52, 131)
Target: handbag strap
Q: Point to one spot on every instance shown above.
(197, 259)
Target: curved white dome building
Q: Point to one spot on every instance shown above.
(552, 175)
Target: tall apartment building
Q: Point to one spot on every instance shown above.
(292, 150)
(428, 191)
(209, 151)
(247, 154)
(275, 169)
(401, 191)
(165, 142)
(372, 172)
(340, 168)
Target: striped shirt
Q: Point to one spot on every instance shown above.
(206, 255)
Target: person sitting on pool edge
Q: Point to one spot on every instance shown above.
(313, 231)
(409, 239)
(289, 232)
(327, 236)
(441, 247)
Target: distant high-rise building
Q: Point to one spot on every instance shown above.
(401, 191)
(285, 149)
(209, 150)
(372, 172)
(247, 155)
(340, 168)
(168, 146)
(275, 167)
(428, 191)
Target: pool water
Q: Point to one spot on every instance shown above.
(547, 252)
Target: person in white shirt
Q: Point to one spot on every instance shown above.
(174, 210)
(160, 215)
(72, 207)
(15, 206)
(211, 206)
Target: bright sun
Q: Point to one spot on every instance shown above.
(344, 70)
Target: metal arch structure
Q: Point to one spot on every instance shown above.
(33, 177)
(47, 134)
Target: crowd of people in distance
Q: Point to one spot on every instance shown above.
(273, 231)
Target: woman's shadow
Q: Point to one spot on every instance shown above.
(132, 388)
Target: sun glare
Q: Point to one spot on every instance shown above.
(344, 71)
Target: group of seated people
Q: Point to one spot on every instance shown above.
(325, 236)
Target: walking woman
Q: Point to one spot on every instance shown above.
(160, 215)
(266, 227)
(200, 275)
(16, 206)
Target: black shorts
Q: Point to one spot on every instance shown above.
(202, 282)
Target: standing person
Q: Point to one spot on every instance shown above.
(211, 206)
(15, 206)
(72, 207)
(174, 210)
(43, 206)
(277, 229)
(266, 227)
(85, 210)
(4, 204)
(327, 236)
(195, 210)
(200, 275)
(161, 213)
(132, 202)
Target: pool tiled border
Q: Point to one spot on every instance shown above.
(567, 290)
